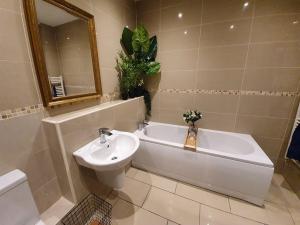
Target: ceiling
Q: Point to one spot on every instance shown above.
(51, 15)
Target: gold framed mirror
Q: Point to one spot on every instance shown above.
(64, 48)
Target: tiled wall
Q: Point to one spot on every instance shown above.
(22, 140)
(238, 61)
(50, 50)
(75, 57)
(68, 135)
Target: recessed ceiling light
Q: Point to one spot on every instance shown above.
(185, 32)
(231, 26)
(295, 22)
(180, 15)
(246, 4)
(68, 38)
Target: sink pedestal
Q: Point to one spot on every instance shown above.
(114, 178)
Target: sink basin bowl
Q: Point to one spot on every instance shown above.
(110, 158)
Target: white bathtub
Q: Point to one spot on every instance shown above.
(225, 162)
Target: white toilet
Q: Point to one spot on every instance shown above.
(17, 206)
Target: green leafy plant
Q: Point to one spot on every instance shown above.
(190, 117)
(136, 62)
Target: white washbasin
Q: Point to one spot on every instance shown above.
(110, 158)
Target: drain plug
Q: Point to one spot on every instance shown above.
(114, 158)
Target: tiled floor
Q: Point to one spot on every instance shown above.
(148, 199)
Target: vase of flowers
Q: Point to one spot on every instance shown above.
(191, 117)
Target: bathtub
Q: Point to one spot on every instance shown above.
(229, 163)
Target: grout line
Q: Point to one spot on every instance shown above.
(228, 199)
(244, 68)
(229, 204)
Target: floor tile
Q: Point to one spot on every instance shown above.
(272, 214)
(203, 196)
(278, 179)
(172, 207)
(295, 212)
(275, 195)
(57, 211)
(156, 181)
(213, 216)
(125, 213)
(131, 172)
(112, 198)
(134, 191)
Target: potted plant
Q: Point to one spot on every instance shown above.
(136, 62)
(191, 117)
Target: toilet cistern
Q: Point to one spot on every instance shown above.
(103, 132)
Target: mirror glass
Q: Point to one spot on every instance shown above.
(66, 44)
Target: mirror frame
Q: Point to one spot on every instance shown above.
(39, 57)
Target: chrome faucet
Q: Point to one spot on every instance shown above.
(143, 124)
(103, 132)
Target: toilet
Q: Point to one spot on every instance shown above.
(17, 206)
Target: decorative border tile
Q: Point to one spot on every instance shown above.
(12, 113)
(23, 111)
(229, 92)
(8, 114)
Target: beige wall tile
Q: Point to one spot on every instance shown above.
(109, 80)
(148, 5)
(180, 79)
(217, 121)
(270, 146)
(178, 60)
(218, 10)
(219, 79)
(17, 74)
(216, 103)
(85, 5)
(276, 28)
(270, 7)
(225, 33)
(266, 106)
(176, 101)
(186, 14)
(10, 4)
(150, 20)
(12, 42)
(47, 195)
(130, 122)
(107, 25)
(109, 47)
(222, 57)
(169, 3)
(261, 126)
(171, 116)
(271, 79)
(27, 130)
(284, 54)
(179, 39)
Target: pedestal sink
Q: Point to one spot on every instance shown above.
(110, 158)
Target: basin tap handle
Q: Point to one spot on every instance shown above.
(104, 130)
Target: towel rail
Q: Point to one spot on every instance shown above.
(297, 122)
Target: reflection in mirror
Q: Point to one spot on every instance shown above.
(67, 51)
